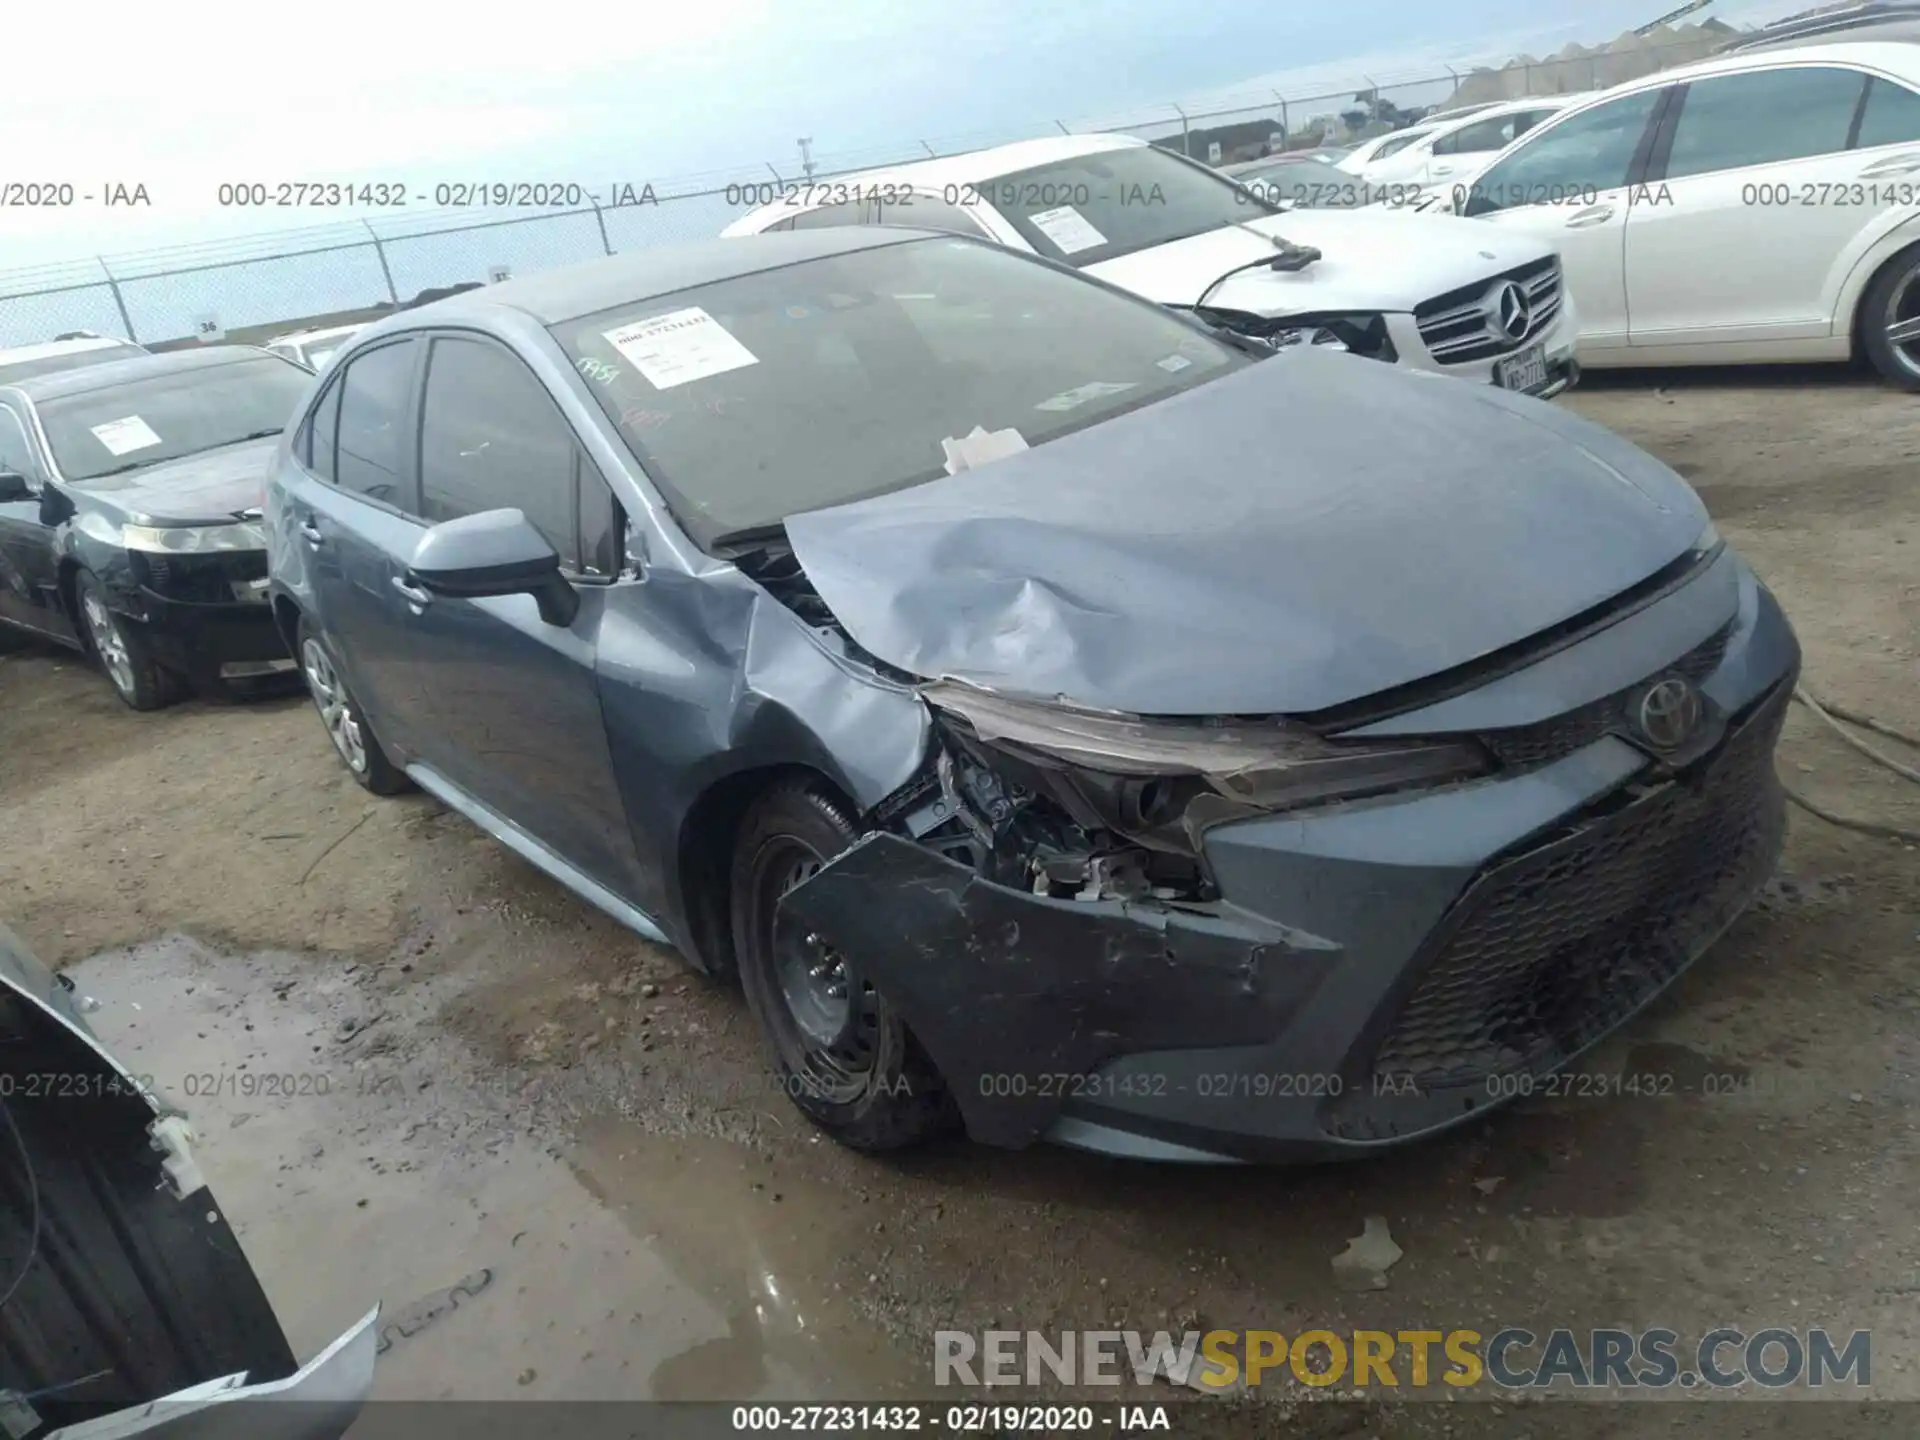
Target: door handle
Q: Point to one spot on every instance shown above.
(310, 532)
(416, 596)
(1589, 217)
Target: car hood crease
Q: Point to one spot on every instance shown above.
(1305, 532)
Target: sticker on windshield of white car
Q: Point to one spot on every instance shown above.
(126, 435)
(679, 347)
(1174, 364)
(1068, 229)
(1081, 394)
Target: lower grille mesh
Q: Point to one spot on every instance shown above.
(1552, 948)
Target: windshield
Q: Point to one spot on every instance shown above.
(832, 380)
(1399, 142)
(13, 370)
(319, 355)
(162, 417)
(1101, 206)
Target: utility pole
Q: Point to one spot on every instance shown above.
(806, 157)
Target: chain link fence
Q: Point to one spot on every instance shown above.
(340, 273)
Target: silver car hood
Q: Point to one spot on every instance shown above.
(1310, 530)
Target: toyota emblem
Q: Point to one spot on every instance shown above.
(1511, 310)
(1669, 713)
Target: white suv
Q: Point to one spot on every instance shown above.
(1428, 292)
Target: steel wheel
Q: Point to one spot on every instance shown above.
(335, 707)
(832, 1013)
(109, 644)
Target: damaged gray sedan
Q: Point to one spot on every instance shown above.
(1066, 720)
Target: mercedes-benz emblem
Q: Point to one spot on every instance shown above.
(1510, 309)
(1669, 712)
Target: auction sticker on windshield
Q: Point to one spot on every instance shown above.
(126, 435)
(679, 347)
(1067, 228)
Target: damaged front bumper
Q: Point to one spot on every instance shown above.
(1373, 972)
(212, 642)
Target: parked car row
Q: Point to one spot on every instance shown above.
(1433, 294)
(1001, 610)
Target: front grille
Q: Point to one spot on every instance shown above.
(1552, 948)
(202, 579)
(1522, 747)
(1461, 325)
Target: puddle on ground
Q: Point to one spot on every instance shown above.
(605, 1264)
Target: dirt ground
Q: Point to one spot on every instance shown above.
(553, 1155)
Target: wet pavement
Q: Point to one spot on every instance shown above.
(510, 1262)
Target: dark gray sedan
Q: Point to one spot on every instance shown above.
(1063, 718)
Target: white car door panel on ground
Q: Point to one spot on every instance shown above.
(1750, 233)
(1571, 187)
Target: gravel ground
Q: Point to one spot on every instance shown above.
(554, 1156)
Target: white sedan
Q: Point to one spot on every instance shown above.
(1760, 207)
(1459, 146)
(1429, 293)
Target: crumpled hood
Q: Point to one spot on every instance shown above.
(1372, 259)
(1310, 530)
(194, 489)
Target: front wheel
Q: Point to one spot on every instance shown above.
(353, 739)
(123, 652)
(841, 1052)
(1890, 320)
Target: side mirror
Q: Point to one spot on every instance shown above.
(14, 486)
(497, 552)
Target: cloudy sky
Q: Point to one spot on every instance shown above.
(183, 97)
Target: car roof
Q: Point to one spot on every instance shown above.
(110, 374)
(1889, 55)
(21, 353)
(996, 160)
(969, 168)
(555, 296)
(1874, 20)
(1508, 107)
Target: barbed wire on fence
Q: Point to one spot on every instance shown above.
(288, 278)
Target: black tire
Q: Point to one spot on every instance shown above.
(347, 727)
(874, 1089)
(1893, 298)
(121, 651)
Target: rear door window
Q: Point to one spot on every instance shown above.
(1891, 115)
(1764, 117)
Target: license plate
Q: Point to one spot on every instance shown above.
(1525, 372)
